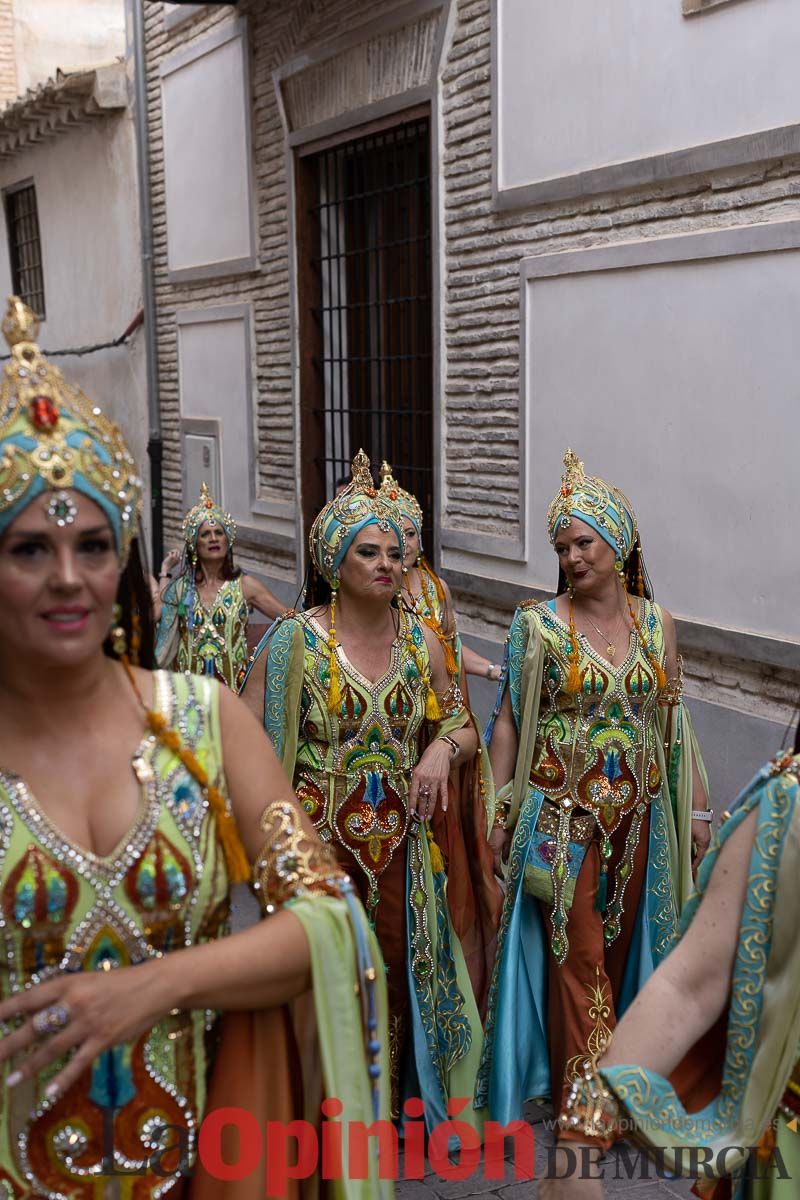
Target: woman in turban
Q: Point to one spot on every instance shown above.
(130, 802)
(600, 794)
(355, 695)
(204, 611)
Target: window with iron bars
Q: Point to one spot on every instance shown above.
(364, 258)
(25, 247)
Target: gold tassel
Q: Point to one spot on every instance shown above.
(236, 858)
(574, 682)
(432, 710)
(446, 643)
(449, 656)
(334, 675)
(437, 859)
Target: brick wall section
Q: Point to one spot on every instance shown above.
(8, 57)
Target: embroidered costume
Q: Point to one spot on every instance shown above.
(191, 637)
(600, 805)
(721, 1099)
(475, 899)
(165, 887)
(349, 747)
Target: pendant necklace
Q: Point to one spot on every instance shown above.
(611, 646)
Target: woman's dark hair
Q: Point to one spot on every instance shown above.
(317, 590)
(135, 600)
(637, 580)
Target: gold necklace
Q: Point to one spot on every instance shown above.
(611, 646)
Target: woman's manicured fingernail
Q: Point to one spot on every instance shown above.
(13, 1079)
(51, 1090)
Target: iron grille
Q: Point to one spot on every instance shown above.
(373, 319)
(25, 247)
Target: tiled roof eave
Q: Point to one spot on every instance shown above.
(64, 102)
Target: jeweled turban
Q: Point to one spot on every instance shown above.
(206, 511)
(360, 504)
(596, 502)
(408, 504)
(53, 439)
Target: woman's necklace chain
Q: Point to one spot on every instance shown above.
(611, 645)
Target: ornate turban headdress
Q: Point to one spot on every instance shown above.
(206, 510)
(52, 439)
(358, 506)
(408, 504)
(411, 509)
(609, 512)
(596, 502)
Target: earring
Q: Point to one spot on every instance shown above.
(334, 674)
(136, 638)
(119, 639)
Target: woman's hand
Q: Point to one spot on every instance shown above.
(170, 560)
(701, 839)
(89, 1012)
(500, 841)
(429, 781)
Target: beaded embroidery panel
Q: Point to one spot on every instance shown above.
(353, 767)
(214, 641)
(63, 908)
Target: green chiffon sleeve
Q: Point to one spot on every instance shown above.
(680, 762)
(525, 666)
(338, 997)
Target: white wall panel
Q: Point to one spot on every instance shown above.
(677, 380)
(215, 381)
(584, 84)
(207, 155)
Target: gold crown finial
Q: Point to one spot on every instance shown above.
(20, 323)
(386, 470)
(362, 475)
(574, 473)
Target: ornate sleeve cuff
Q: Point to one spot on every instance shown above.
(672, 694)
(292, 863)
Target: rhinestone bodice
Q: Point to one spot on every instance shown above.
(597, 749)
(353, 767)
(63, 908)
(213, 641)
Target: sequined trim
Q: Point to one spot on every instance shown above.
(440, 1002)
(291, 863)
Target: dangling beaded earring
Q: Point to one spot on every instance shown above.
(136, 639)
(639, 574)
(119, 640)
(334, 674)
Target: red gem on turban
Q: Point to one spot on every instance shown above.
(43, 413)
